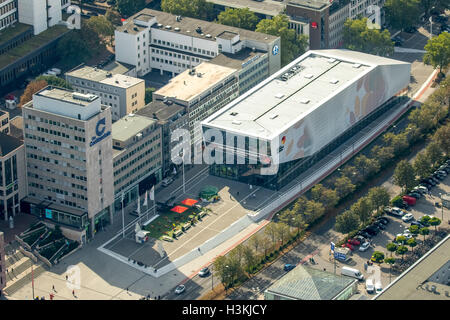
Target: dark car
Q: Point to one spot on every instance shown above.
(411, 29)
(440, 19)
(372, 230)
(398, 41)
(404, 205)
(414, 195)
(428, 181)
(364, 234)
(384, 220)
(204, 272)
(361, 239)
(417, 223)
(439, 176)
(288, 267)
(380, 225)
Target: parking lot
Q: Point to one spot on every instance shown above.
(426, 205)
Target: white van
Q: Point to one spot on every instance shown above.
(370, 288)
(350, 272)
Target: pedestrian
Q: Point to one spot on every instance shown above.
(53, 287)
(238, 193)
(73, 292)
(67, 277)
(127, 290)
(159, 297)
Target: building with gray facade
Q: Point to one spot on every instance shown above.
(2, 263)
(69, 160)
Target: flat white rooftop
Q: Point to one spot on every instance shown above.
(293, 92)
(105, 77)
(186, 86)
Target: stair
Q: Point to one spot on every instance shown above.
(24, 280)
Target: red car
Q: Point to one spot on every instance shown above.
(348, 245)
(354, 242)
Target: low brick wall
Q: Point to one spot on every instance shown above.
(28, 254)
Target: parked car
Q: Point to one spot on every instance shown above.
(379, 225)
(361, 239)
(407, 217)
(370, 288)
(397, 212)
(180, 289)
(354, 273)
(56, 70)
(436, 180)
(409, 200)
(166, 182)
(372, 230)
(384, 220)
(438, 176)
(364, 234)
(421, 189)
(364, 246)
(442, 172)
(415, 195)
(348, 245)
(204, 272)
(411, 29)
(429, 181)
(405, 205)
(354, 242)
(378, 287)
(417, 223)
(398, 41)
(288, 267)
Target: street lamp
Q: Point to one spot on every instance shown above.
(184, 185)
(442, 206)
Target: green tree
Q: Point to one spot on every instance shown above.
(414, 229)
(366, 166)
(434, 222)
(437, 51)
(220, 266)
(347, 222)
(282, 231)
(377, 257)
(422, 120)
(402, 14)
(266, 244)
(383, 154)
(240, 18)
(358, 37)
(256, 241)
(149, 95)
(391, 247)
(103, 27)
(250, 258)
(425, 220)
(343, 186)
(314, 210)
(293, 219)
(363, 209)
(114, 17)
(404, 175)
(129, 7)
(401, 250)
(292, 45)
(411, 243)
(379, 197)
(442, 138)
(399, 142)
(32, 88)
(400, 239)
(271, 231)
(190, 8)
(426, 5)
(55, 81)
(422, 165)
(424, 232)
(413, 133)
(350, 172)
(324, 195)
(434, 152)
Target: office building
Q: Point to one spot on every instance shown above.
(4, 122)
(8, 13)
(202, 91)
(169, 116)
(155, 40)
(124, 94)
(303, 112)
(427, 279)
(41, 14)
(306, 283)
(69, 159)
(137, 157)
(12, 175)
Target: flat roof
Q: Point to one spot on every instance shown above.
(306, 283)
(12, 31)
(105, 77)
(187, 26)
(16, 127)
(32, 44)
(273, 105)
(311, 4)
(267, 7)
(186, 87)
(236, 60)
(417, 282)
(161, 111)
(129, 126)
(65, 95)
(8, 144)
(118, 67)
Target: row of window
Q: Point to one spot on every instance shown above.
(132, 181)
(183, 47)
(54, 123)
(141, 156)
(8, 20)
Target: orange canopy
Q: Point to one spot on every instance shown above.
(179, 209)
(189, 202)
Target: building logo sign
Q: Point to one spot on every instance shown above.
(275, 50)
(100, 131)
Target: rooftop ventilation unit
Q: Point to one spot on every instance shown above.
(83, 97)
(304, 101)
(234, 114)
(208, 36)
(188, 31)
(236, 122)
(273, 116)
(135, 29)
(176, 29)
(178, 18)
(279, 95)
(309, 76)
(198, 30)
(199, 75)
(159, 25)
(334, 81)
(331, 60)
(168, 27)
(356, 65)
